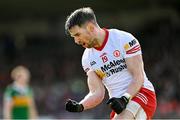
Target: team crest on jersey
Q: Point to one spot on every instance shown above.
(116, 53)
(132, 47)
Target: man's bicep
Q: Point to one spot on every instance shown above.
(8, 104)
(135, 64)
(94, 82)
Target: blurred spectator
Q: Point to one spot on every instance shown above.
(18, 97)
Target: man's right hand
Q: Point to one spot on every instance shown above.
(73, 106)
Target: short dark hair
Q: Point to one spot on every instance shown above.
(79, 17)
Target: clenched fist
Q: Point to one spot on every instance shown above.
(73, 106)
(118, 104)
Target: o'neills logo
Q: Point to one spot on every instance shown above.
(112, 64)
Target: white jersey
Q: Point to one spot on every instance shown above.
(108, 61)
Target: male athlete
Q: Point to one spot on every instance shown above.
(113, 59)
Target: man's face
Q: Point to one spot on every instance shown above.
(22, 76)
(82, 36)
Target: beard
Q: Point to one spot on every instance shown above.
(91, 43)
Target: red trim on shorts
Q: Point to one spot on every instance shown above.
(105, 40)
(147, 99)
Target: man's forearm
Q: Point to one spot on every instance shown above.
(7, 108)
(91, 100)
(33, 113)
(135, 86)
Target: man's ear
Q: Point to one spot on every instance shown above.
(90, 27)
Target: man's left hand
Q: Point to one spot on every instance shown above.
(118, 104)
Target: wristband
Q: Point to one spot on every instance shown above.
(128, 96)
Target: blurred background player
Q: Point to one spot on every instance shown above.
(18, 97)
(113, 59)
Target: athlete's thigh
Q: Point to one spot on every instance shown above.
(136, 110)
(125, 115)
(141, 115)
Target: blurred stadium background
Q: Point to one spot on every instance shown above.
(32, 34)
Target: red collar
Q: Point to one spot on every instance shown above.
(105, 40)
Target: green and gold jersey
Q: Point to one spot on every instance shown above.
(20, 99)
